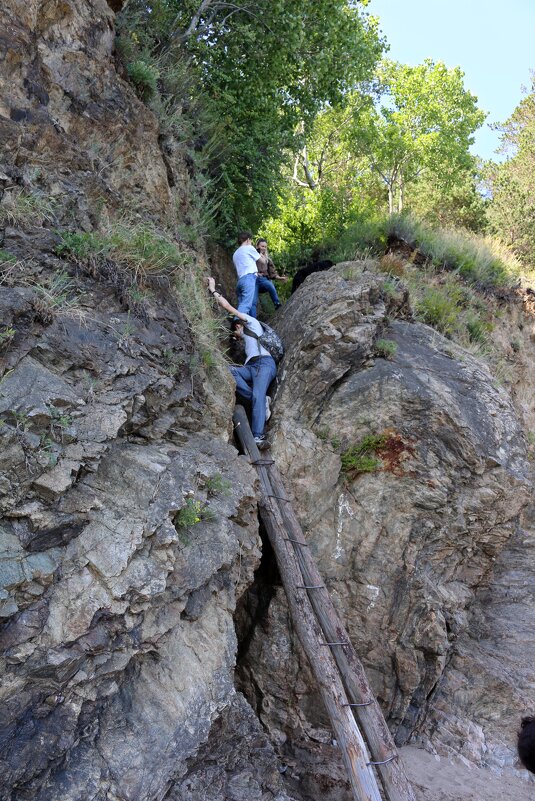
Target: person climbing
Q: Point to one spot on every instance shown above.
(526, 743)
(267, 273)
(245, 260)
(254, 377)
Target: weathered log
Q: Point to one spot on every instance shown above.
(348, 736)
(376, 732)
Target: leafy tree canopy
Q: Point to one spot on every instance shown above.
(512, 183)
(424, 121)
(265, 69)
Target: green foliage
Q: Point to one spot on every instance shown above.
(172, 362)
(144, 77)
(140, 247)
(49, 448)
(386, 348)
(217, 485)
(193, 512)
(265, 70)
(81, 244)
(23, 208)
(479, 260)
(438, 307)
(6, 257)
(6, 335)
(404, 143)
(512, 183)
(423, 123)
(360, 458)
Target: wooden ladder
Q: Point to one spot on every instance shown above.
(346, 693)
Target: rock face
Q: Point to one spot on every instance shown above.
(129, 524)
(129, 542)
(128, 533)
(408, 474)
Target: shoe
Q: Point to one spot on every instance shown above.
(261, 443)
(277, 306)
(268, 407)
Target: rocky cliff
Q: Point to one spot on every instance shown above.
(133, 574)
(407, 465)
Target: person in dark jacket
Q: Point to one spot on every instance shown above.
(267, 273)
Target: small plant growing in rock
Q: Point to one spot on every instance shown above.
(386, 348)
(323, 434)
(21, 420)
(391, 264)
(21, 208)
(172, 362)
(48, 448)
(390, 289)
(217, 485)
(145, 77)
(361, 458)
(530, 436)
(6, 257)
(81, 244)
(192, 513)
(7, 335)
(60, 421)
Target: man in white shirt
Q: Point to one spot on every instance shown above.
(254, 377)
(245, 259)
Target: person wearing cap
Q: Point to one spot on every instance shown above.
(254, 377)
(245, 260)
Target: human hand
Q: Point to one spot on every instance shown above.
(211, 284)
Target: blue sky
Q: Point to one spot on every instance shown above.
(493, 43)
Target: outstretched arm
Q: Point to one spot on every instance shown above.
(223, 302)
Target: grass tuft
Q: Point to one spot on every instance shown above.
(21, 209)
(480, 261)
(361, 458)
(386, 348)
(145, 77)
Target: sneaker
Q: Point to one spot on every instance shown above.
(261, 443)
(268, 407)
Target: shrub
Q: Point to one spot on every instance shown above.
(145, 77)
(386, 348)
(217, 485)
(81, 244)
(391, 264)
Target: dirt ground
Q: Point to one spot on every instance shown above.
(440, 779)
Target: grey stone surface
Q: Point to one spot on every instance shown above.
(409, 549)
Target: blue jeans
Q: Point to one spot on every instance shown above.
(247, 292)
(265, 285)
(252, 382)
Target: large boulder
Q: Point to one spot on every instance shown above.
(407, 467)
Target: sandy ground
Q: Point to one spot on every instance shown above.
(440, 779)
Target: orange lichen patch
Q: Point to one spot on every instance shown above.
(394, 452)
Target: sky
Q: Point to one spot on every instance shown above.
(492, 42)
